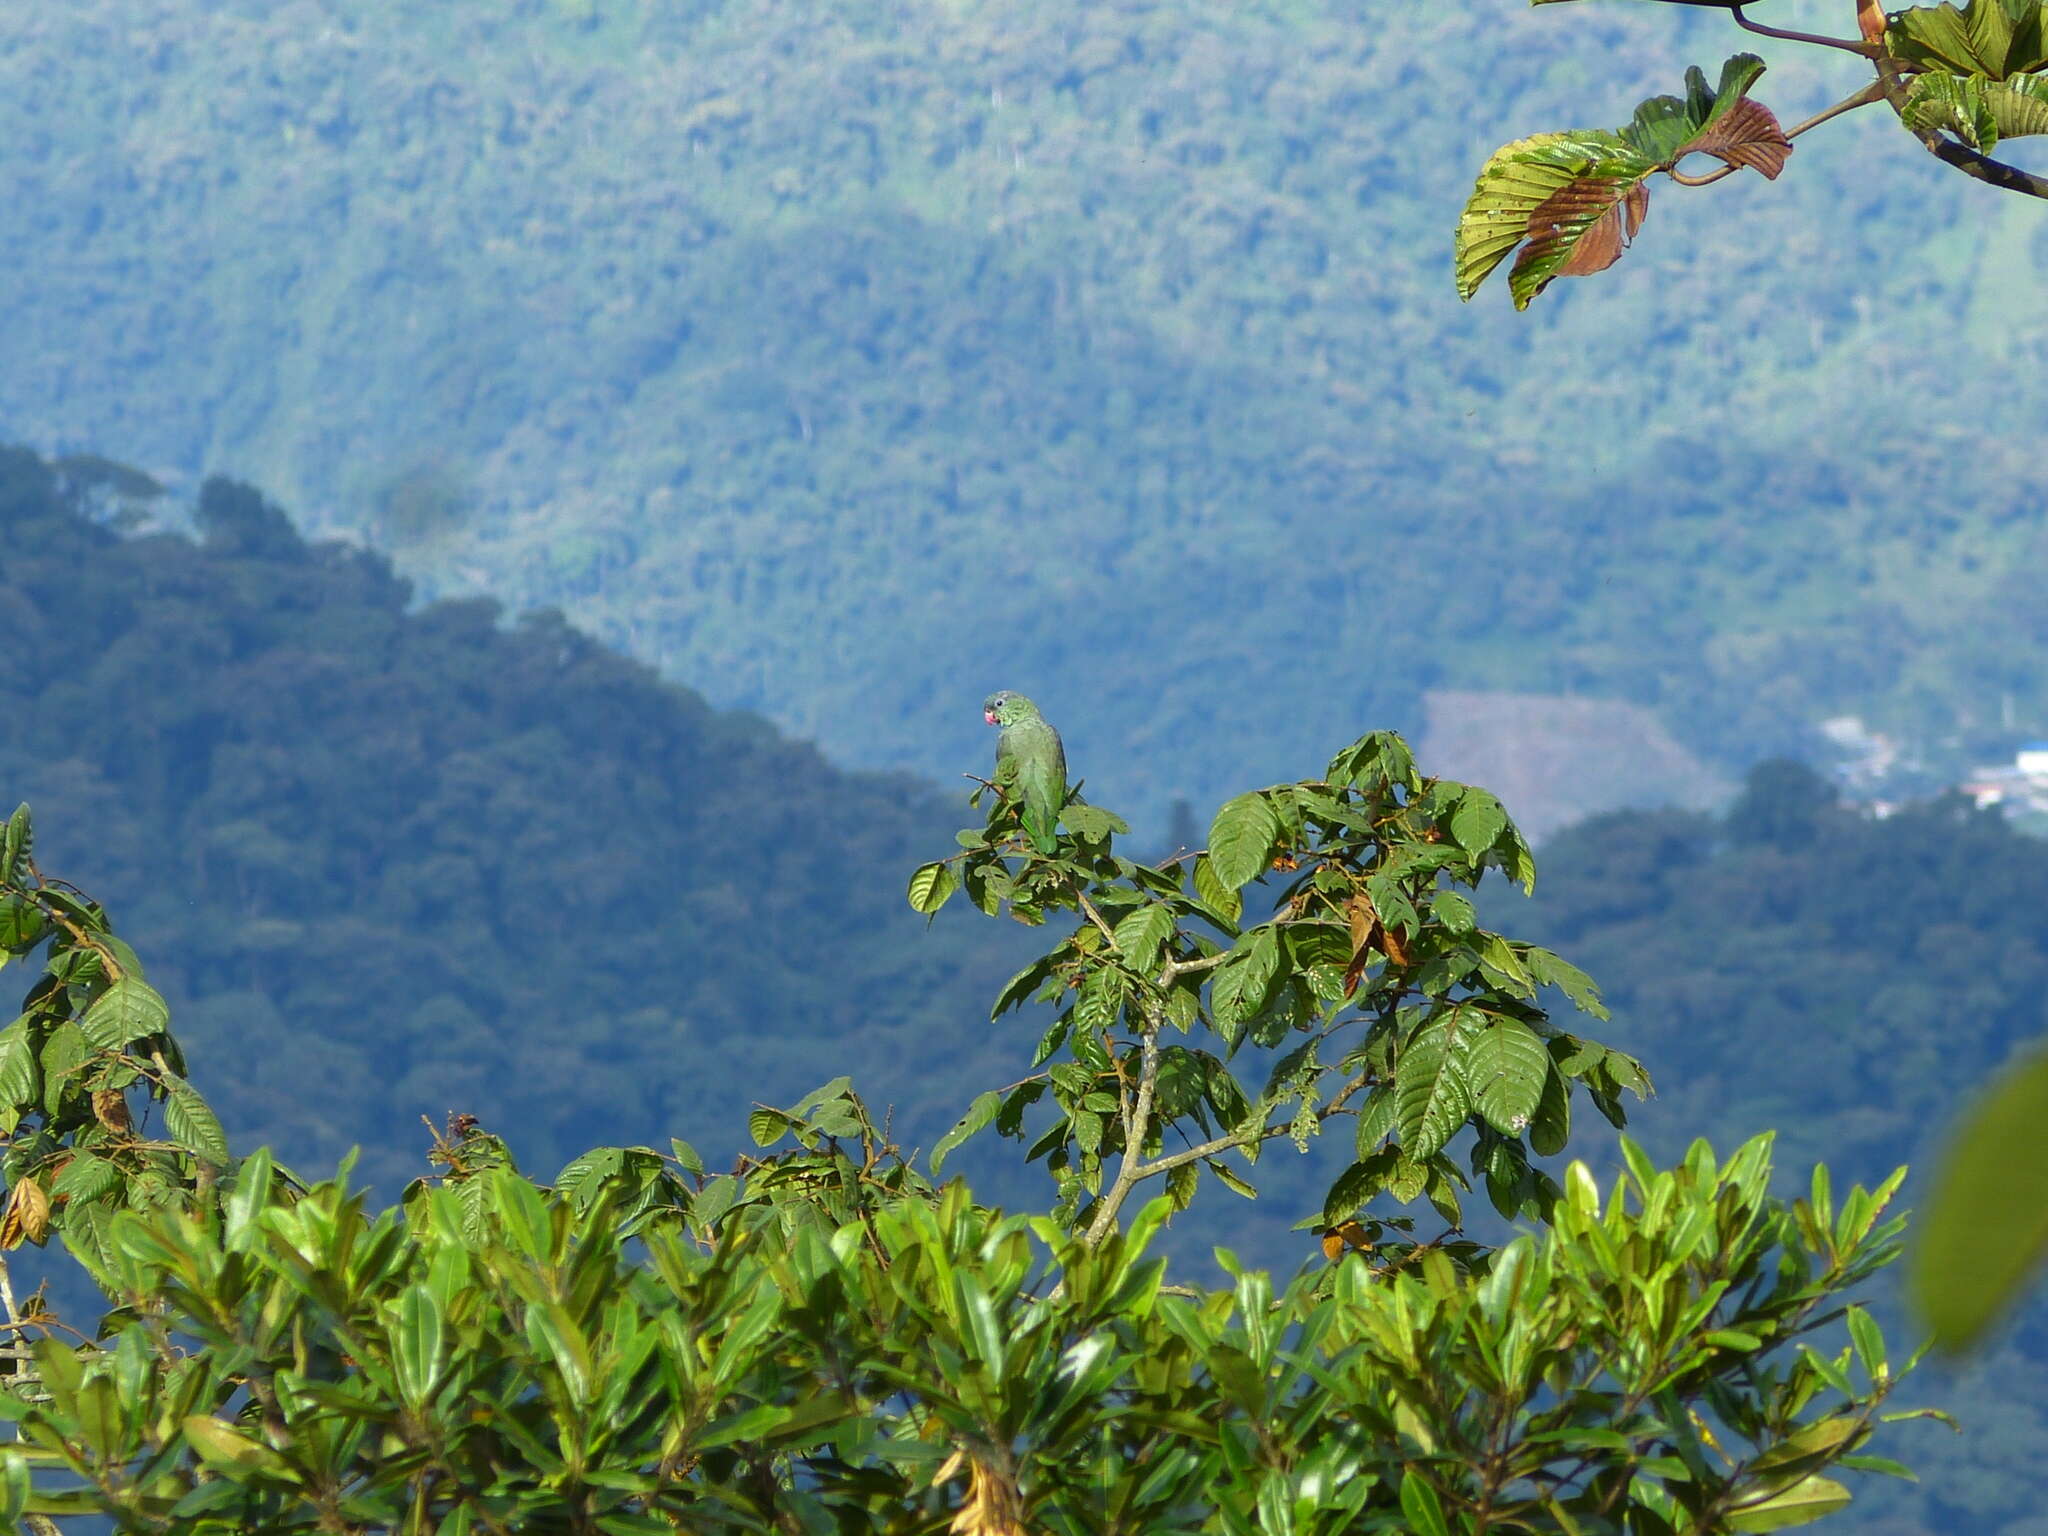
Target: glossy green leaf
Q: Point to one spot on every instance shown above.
(1991, 38)
(1224, 900)
(128, 1011)
(931, 885)
(1505, 1068)
(1241, 840)
(1142, 933)
(1805, 1501)
(1431, 1095)
(192, 1123)
(1977, 111)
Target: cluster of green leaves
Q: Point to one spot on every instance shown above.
(1370, 993)
(1982, 64)
(504, 1362)
(92, 1039)
(1573, 201)
(1855, 983)
(1578, 198)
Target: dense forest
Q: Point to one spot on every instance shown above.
(375, 849)
(845, 365)
(375, 852)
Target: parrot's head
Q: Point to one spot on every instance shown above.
(1007, 708)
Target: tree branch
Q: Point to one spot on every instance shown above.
(1891, 81)
(1135, 1128)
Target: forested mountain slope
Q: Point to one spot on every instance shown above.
(846, 363)
(390, 863)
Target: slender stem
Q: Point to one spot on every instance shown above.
(1135, 1129)
(1863, 98)
(1095, 917)
(1867, 50)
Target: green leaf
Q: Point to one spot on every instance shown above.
(1092, 823)
(1552, 971)
(1505, 1067)
(767, 1126)
(17, 840)
(20, 1077)
(1230, 1179)
(1213, 893)
(1986, 1225)
(1551, 1126)
(1142, 933)
(930, 885)
(1478, 820)
(1431, 1097)
(1553, 190)
(22, 924)
(1806, 1500)
(1975, 110)
(85, 1178)
(128, 1011)
(192, 1123)
(1241, 840)
(1454, 912)
(978, 1115)
(1992, 38)
(222, 1445)
(1424, 1510)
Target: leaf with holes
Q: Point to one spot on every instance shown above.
(1554, 187)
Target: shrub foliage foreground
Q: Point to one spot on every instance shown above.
(821, 1340)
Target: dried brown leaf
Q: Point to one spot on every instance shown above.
(27, 1215)
(1747, 134)
(110, 1108)
(1616, 210)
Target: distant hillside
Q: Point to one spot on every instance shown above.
(848, 363)
(1558, 760)
(388, 863)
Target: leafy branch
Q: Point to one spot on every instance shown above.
(1369, 990)
(1568, 204)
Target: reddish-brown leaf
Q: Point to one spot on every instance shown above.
(1746, 134)
(1616, 211)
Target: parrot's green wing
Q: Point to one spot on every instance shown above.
(1039, 763)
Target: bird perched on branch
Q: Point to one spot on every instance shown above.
(1031, 763)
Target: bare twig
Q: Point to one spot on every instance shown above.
(1847, 45)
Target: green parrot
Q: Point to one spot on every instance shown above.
(1030, 759)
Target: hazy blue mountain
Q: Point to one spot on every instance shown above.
(848, 363)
